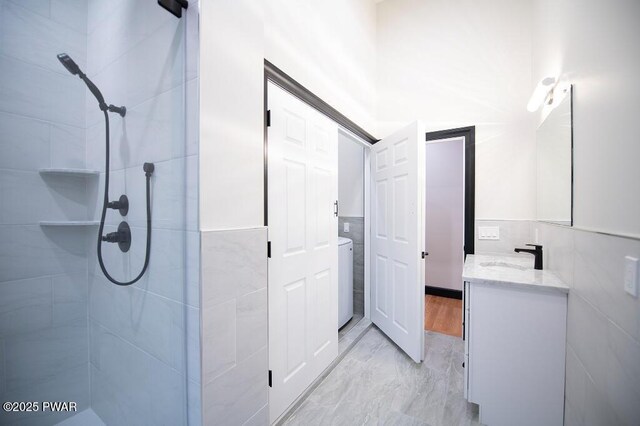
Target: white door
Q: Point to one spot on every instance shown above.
(397, 229)
(303, 232)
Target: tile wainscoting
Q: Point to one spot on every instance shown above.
(356, 233)
(603, 325)
(234, 326)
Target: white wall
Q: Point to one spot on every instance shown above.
(463, 63)
(329, 47)
(350, 177)
(231, 114)
(592, 45)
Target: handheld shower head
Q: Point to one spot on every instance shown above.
(69, 64)
(74, 69)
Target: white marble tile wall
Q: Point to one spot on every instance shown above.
(603, 335)
(137, 55)
(43, 286)
(234, 326)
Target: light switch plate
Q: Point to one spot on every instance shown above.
(631, 275)
(488, 232)
(345, 227)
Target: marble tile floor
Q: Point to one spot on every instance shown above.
(377, 384)
(349, 325)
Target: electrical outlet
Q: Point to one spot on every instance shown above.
(631, 275)
(345, 227)
(488, 232)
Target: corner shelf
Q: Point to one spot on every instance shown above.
(69, 223)
(68, 172)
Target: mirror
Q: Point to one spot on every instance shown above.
(554, 148)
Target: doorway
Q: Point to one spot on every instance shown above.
(449, 229)
(351, 241)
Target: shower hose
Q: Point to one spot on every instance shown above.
(104, 214)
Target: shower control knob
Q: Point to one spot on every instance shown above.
(122, 236)
(122, 205)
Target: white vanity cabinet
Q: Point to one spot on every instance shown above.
(515, 334)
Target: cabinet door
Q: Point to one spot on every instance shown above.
(517, 355)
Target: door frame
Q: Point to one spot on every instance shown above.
(279, 78)
(469, 134)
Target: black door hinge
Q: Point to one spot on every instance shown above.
(335, 208)
(270, 379)
(424, 254)
(268, 118)
(268, 248)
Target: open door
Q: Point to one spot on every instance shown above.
(397, 238)
(303, 236)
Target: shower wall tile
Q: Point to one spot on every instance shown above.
(24, 143)
(72, 13)
(234, 324)
(193, 116)
(31, 358)
(48, 364)
(193, 344)
(95, 188)
(2, 370)
(170, 204)
(153, 131)
(25, 306)
(193, 43)
(32, 91)
(115, 35)
(29, 251)
(98, 12)
(194, 414)
(162, 56)
(22, 210)
(150, 322)
(193, 269)
(50, 198)
(43, 312)
(40, 7)
(70, 295)
(32, 38)
(129, 386)
(70, 385)
(67, 146)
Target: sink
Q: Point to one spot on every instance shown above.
(503, 265)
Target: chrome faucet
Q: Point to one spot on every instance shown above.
(537, 252)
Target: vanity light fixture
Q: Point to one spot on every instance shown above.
(540, 93)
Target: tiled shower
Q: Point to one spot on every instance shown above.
(124, 354)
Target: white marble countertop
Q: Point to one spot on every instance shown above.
(509, 271)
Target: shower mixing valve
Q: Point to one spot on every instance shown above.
(122, 236)
(122, 205)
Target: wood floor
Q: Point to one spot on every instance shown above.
(443, 315)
